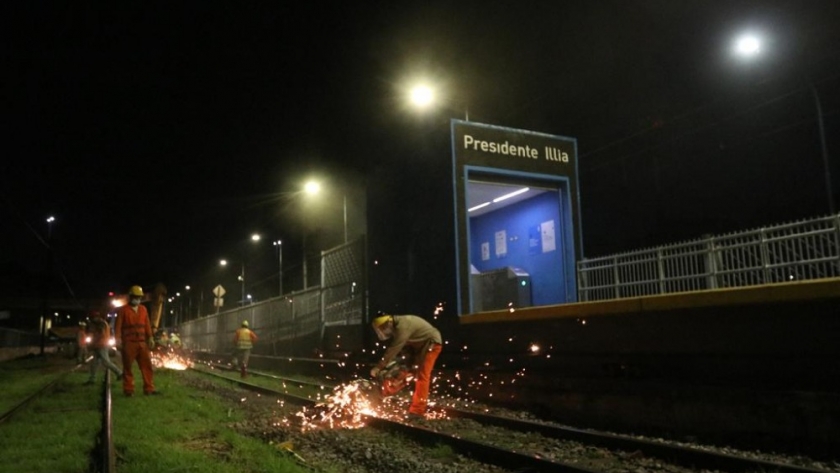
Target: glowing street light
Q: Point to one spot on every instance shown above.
(747, 45)
(421, 96)
(314, 187)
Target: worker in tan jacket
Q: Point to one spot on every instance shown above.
(425, 342)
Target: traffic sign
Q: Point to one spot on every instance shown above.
(219, 291)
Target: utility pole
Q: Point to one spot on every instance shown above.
(47, 280)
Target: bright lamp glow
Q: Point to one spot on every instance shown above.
(748, 45)
(421, 96)
(255, 237)
(312, 187)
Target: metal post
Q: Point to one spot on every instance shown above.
(345, 218)
(280, 265)
(823, 148)
(304, 259)
(242, 278)
(47, 281)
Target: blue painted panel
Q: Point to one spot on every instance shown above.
(521, 223)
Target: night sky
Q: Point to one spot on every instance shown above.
(161, 136)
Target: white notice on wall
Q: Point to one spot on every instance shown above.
(485, 251)
(501, 243)
(547, 233)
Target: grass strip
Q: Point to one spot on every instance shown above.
(187, 430)
(56, 432)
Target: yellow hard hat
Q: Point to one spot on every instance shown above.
(383, 330)
(135, 291)
(244, 323)
(381, 320)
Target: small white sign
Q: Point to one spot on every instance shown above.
(501, 243)
(548, 238)
(218, 302)
(485, 251)
(219, 291)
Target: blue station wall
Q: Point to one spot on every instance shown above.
(522, 223)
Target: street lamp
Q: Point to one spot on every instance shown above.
(748, 46)
(421, 96)
(241, 278)
(47, 278)
(279, 245)
(255, 238)
(314, 187)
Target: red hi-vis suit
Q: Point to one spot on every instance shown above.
(131, 331)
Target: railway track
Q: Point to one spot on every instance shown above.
(536, 446)
(105, 457)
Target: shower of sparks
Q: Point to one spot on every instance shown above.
(346, 408)
(170, 360)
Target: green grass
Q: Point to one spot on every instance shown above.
(24, 376)
(441, 452)
(55, 433)
(187, 430)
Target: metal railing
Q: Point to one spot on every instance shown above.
(803, 250)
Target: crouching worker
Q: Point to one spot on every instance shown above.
(100, 334)
(425, 342)
(243, 341)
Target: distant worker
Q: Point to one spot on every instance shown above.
(100, 334)
(134, 338)
(81, 342)
(425, 343)
(162, 339)
(243, 341)
(174, 340)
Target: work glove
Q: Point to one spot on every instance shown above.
(374, 372)
(151, 343)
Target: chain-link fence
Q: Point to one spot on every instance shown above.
(796, 251)
(298, 323)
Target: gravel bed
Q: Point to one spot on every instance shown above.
(368, 450)
(361, 450)
(795, 460)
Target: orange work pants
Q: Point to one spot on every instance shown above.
(137, 351)
(423, 380)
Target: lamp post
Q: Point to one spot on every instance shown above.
(47, 277)
(241, 278)
(279, 245)
(748, 46)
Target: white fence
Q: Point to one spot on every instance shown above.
(788, 252)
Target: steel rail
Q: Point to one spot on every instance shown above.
(108, 456)
(686, 456)
(272, 376)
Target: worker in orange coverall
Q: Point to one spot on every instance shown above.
(134, 337)
(426, 344)
(243, 341)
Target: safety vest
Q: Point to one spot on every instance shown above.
(243, 339)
